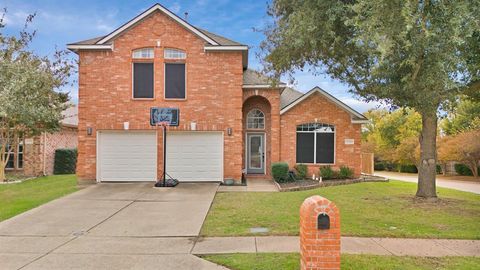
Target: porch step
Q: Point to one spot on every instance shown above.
(254, 177)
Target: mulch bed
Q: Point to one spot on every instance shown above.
(311, 184)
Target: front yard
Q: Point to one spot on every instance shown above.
(291, 261)
(367, 209)
(18, 198)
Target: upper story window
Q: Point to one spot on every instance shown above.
(316, 143)
(143, 73)
(174, 54)
(145, 53)
(255, 119)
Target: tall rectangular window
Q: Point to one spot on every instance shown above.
(142, 80)
(175, 80)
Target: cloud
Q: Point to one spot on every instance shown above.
(175, 7)
(103, 27)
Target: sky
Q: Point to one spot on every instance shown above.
(59, 22)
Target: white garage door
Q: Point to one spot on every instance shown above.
(127, 156)
(195, 156)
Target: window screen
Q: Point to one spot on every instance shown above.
(325, 147)
(175, 81)
(305, 146)
(143, 80)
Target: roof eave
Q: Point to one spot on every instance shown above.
(76, 47)
(253, 86)
(331, 98)
(147, 13)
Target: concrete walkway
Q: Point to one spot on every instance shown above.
(111, 226)
(349, 245)
(447, 182)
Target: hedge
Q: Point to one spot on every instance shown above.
(463, 169)
(280, 172)
(301, 171)
(65, 161)
(410, 168)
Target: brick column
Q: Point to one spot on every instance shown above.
(319, 245)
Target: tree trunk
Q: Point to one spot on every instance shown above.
(2, 172)
(427, 170)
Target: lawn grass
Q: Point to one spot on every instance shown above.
(291, 261)
(367, 209)
(18, 198)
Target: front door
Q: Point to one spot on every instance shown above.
(255, 153)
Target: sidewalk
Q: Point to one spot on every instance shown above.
(446, 182)
(350, 245)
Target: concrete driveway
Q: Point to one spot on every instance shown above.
(111, 226)
(446, 182)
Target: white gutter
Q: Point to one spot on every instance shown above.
(74, 47)
(251, 86)
(225, 48)
(360, 121)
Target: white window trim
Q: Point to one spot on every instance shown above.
(264, 119)
(133, 79)
(16, 159)
(174, 50)
(315, 147)
(141, 50)
(165, 80)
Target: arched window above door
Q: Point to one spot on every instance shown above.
(255, 119)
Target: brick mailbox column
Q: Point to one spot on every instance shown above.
(319, 234)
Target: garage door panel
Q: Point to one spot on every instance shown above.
(127, 156)
(195, 156)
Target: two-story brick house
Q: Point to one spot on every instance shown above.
(232, 120)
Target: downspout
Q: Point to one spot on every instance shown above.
(44, 152)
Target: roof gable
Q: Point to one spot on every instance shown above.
(141, 16)
(356, 116)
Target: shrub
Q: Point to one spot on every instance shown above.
(65, 161)
(379, 166)
(280, 172)
(409, 168)
(301, 171)
(326, 172)
(463, 169)
(439, 169)
(345, 172)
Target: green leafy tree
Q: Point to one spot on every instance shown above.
(29, 103)
(407, 53)
(464, 117)
(394, 135)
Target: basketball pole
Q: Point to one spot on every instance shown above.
(164, 154)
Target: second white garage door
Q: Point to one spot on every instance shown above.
(195, 156)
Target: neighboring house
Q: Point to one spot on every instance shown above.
(232, 120)
(35, 156)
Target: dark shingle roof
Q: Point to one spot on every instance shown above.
(252, 77)
(288, 96)
(222, 41)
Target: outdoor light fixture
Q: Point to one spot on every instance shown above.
(229, 131)
(89, 131)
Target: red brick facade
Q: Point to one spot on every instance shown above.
(214, 100)
(39, 151)
(319, 248)
(214, 86)
(317, 108)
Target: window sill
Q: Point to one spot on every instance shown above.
(175, 99)
(143, 99)
(317, 164)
